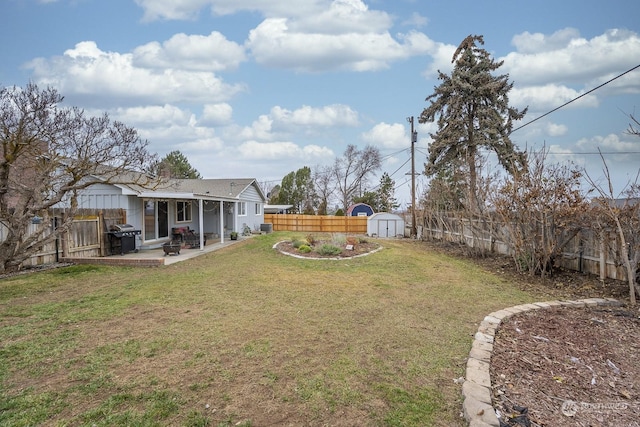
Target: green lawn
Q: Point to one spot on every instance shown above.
(245, 336)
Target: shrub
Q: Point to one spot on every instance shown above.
(328, 249)
(338, 239)
(297, 243)
(362, 240)
(311, 239)
(305, 249)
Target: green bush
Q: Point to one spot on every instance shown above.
(297, 243)
(305, 249)
(328, 249)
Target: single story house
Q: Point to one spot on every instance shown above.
(210, 207)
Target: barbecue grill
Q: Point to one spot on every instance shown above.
(123, 236)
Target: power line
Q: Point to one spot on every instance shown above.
(594, 153)
(575, 99)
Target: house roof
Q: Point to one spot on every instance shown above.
(226, 188)
(214, 189)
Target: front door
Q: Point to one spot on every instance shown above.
(156, 219)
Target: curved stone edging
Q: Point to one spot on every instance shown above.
(327, 258)
(476, 390)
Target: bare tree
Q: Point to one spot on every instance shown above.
(541, 211)
(51, 153)
(352, 170)
(325, 187)
(622, 214)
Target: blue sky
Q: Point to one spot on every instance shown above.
(255, 88)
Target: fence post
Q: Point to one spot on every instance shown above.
(100, 231)
(603, 258)
(63, 237)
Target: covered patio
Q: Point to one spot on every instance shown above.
(154, 257)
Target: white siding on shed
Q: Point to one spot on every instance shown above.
(385, 224)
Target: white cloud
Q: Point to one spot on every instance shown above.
(547, 97)
(189, 9)
(532, 43)
(216, 114)
(273, 43)
(203, 144)
(416, 20)
(609, 143)
(553, 129)
(342, 17)
(88, 71)
(260, 129)
(565, 57)
(328, 116)
(153, 116)
(387, 136)
(191, 52)
(283, 150)
(441, 55)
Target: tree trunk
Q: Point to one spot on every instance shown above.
(631, 271)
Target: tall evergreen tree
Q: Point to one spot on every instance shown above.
(473, 112)
(387, 202)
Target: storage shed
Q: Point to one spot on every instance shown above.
(359, 209)
(384, 224)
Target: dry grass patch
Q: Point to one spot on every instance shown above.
(245, 336)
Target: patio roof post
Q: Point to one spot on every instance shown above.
(221, 221)
(201, 222)
(235, 216)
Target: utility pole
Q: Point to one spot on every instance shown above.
(414, 139)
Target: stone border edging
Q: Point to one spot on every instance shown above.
(323, 258)
(477, 405)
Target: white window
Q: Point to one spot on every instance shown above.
(242, 208)
(183, 211)
(258, 209)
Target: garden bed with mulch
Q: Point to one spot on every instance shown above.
(568, 367)
(328, 248)
(563, 366)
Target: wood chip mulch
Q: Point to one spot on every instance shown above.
(568, 367)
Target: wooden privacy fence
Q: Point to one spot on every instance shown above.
(317, 223)
(86, 236)
(587, 252)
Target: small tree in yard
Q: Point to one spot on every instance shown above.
(49, 154)
(541, 211)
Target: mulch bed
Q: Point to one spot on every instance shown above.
(563, 366)
(568, 367)
(360, 248)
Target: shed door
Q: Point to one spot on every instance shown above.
(386, 228)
